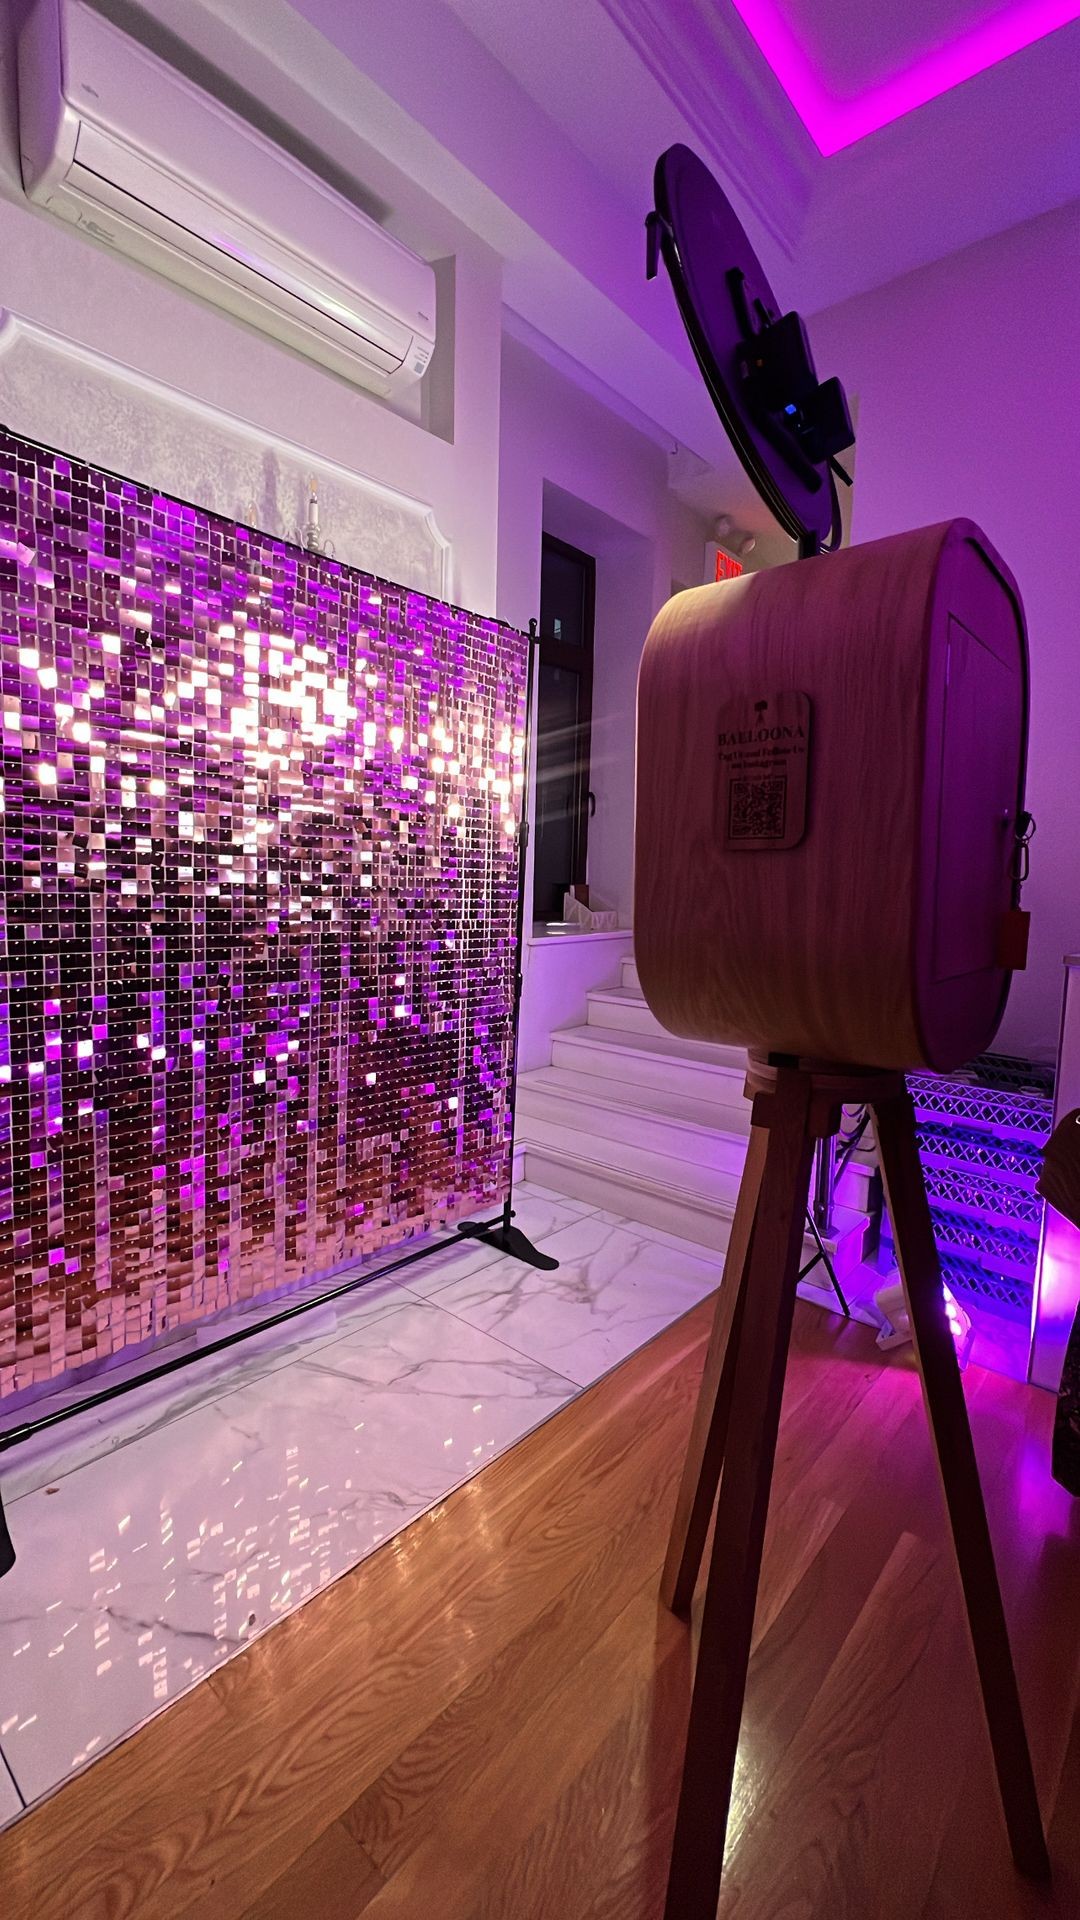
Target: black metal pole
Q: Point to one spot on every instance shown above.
(505, 1236)
(519, 924)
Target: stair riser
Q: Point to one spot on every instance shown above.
(625, 1012)
(717, 1086)
(629, 975)
(637, 1123)
(649, 1104)
(653, 1180)
(548, 1115)
(621, 1194)
(624, 1016)
(722, 1148)
(619, 1138)
(626, 1194)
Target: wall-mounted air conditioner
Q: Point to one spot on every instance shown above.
(127, 149)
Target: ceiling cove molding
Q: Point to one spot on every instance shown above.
(751, 134)
(962, 55)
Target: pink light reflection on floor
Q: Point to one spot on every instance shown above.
(835, 123)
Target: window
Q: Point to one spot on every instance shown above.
(564, 715)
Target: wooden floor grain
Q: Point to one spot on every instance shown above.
(484, 1721)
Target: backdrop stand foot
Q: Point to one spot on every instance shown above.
(507, 1238)
(7, 1549)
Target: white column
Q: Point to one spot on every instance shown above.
(1057, 1286)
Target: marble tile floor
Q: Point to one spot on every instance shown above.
(158, 1536)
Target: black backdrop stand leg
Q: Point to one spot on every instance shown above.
(508, 1239)
(7, 1550)
(502, 1233)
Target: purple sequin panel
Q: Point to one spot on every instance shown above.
(257, 941)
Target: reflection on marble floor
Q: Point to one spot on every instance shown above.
(159, 1536)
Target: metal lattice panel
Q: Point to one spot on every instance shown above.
(971, 1281)
(1012, 1073)
(1009, 1157)
(990, 1241)
(977, 1190)
(1023, 1114)
(257, 939)
(981, 1141)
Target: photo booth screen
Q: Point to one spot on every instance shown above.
(257, 952)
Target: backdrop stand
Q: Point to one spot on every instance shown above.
(7, 1550)
(502, 1233)
(795, 1104)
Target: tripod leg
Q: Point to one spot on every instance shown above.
(720, 1682)
(943, 1393)
(708, 1436)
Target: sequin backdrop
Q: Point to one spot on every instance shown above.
(257, 941)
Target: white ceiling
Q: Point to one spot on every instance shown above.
(536, 128)
(623, 78)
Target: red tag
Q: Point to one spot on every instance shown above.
(1012, 941)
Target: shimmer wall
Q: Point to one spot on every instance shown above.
(257, 942)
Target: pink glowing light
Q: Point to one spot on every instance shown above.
(834, 123)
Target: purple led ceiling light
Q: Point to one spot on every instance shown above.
(835, 123)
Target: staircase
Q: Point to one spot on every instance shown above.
(629, 1118)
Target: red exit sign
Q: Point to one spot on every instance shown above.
(726, 567)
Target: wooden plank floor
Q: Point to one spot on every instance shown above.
(484, 1721)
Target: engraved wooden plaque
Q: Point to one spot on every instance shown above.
(763, 755)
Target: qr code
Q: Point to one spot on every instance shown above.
(756, 808)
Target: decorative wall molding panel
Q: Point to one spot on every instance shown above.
(131, 423)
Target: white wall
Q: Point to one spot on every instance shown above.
(560, 972)
(968, 379)
(53, 277)
(570, 467)
(114, 364)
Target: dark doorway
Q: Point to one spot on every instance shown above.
(564, 716)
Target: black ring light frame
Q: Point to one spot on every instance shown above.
(785, 425)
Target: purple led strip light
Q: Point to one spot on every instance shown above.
(257, 940)
(835, 123)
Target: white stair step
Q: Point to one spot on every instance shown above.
(712, 1074)
(549, 1113)
(599, 1185)
(716, 1185)
(624, 1010)
(660, 1046)
(548, 1090)
(630, 1118)
(553, 1099)
(657, 1194)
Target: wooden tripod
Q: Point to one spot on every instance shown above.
(796, 1103)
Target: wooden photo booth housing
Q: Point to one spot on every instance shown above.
(830, 779)
(829, 819)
